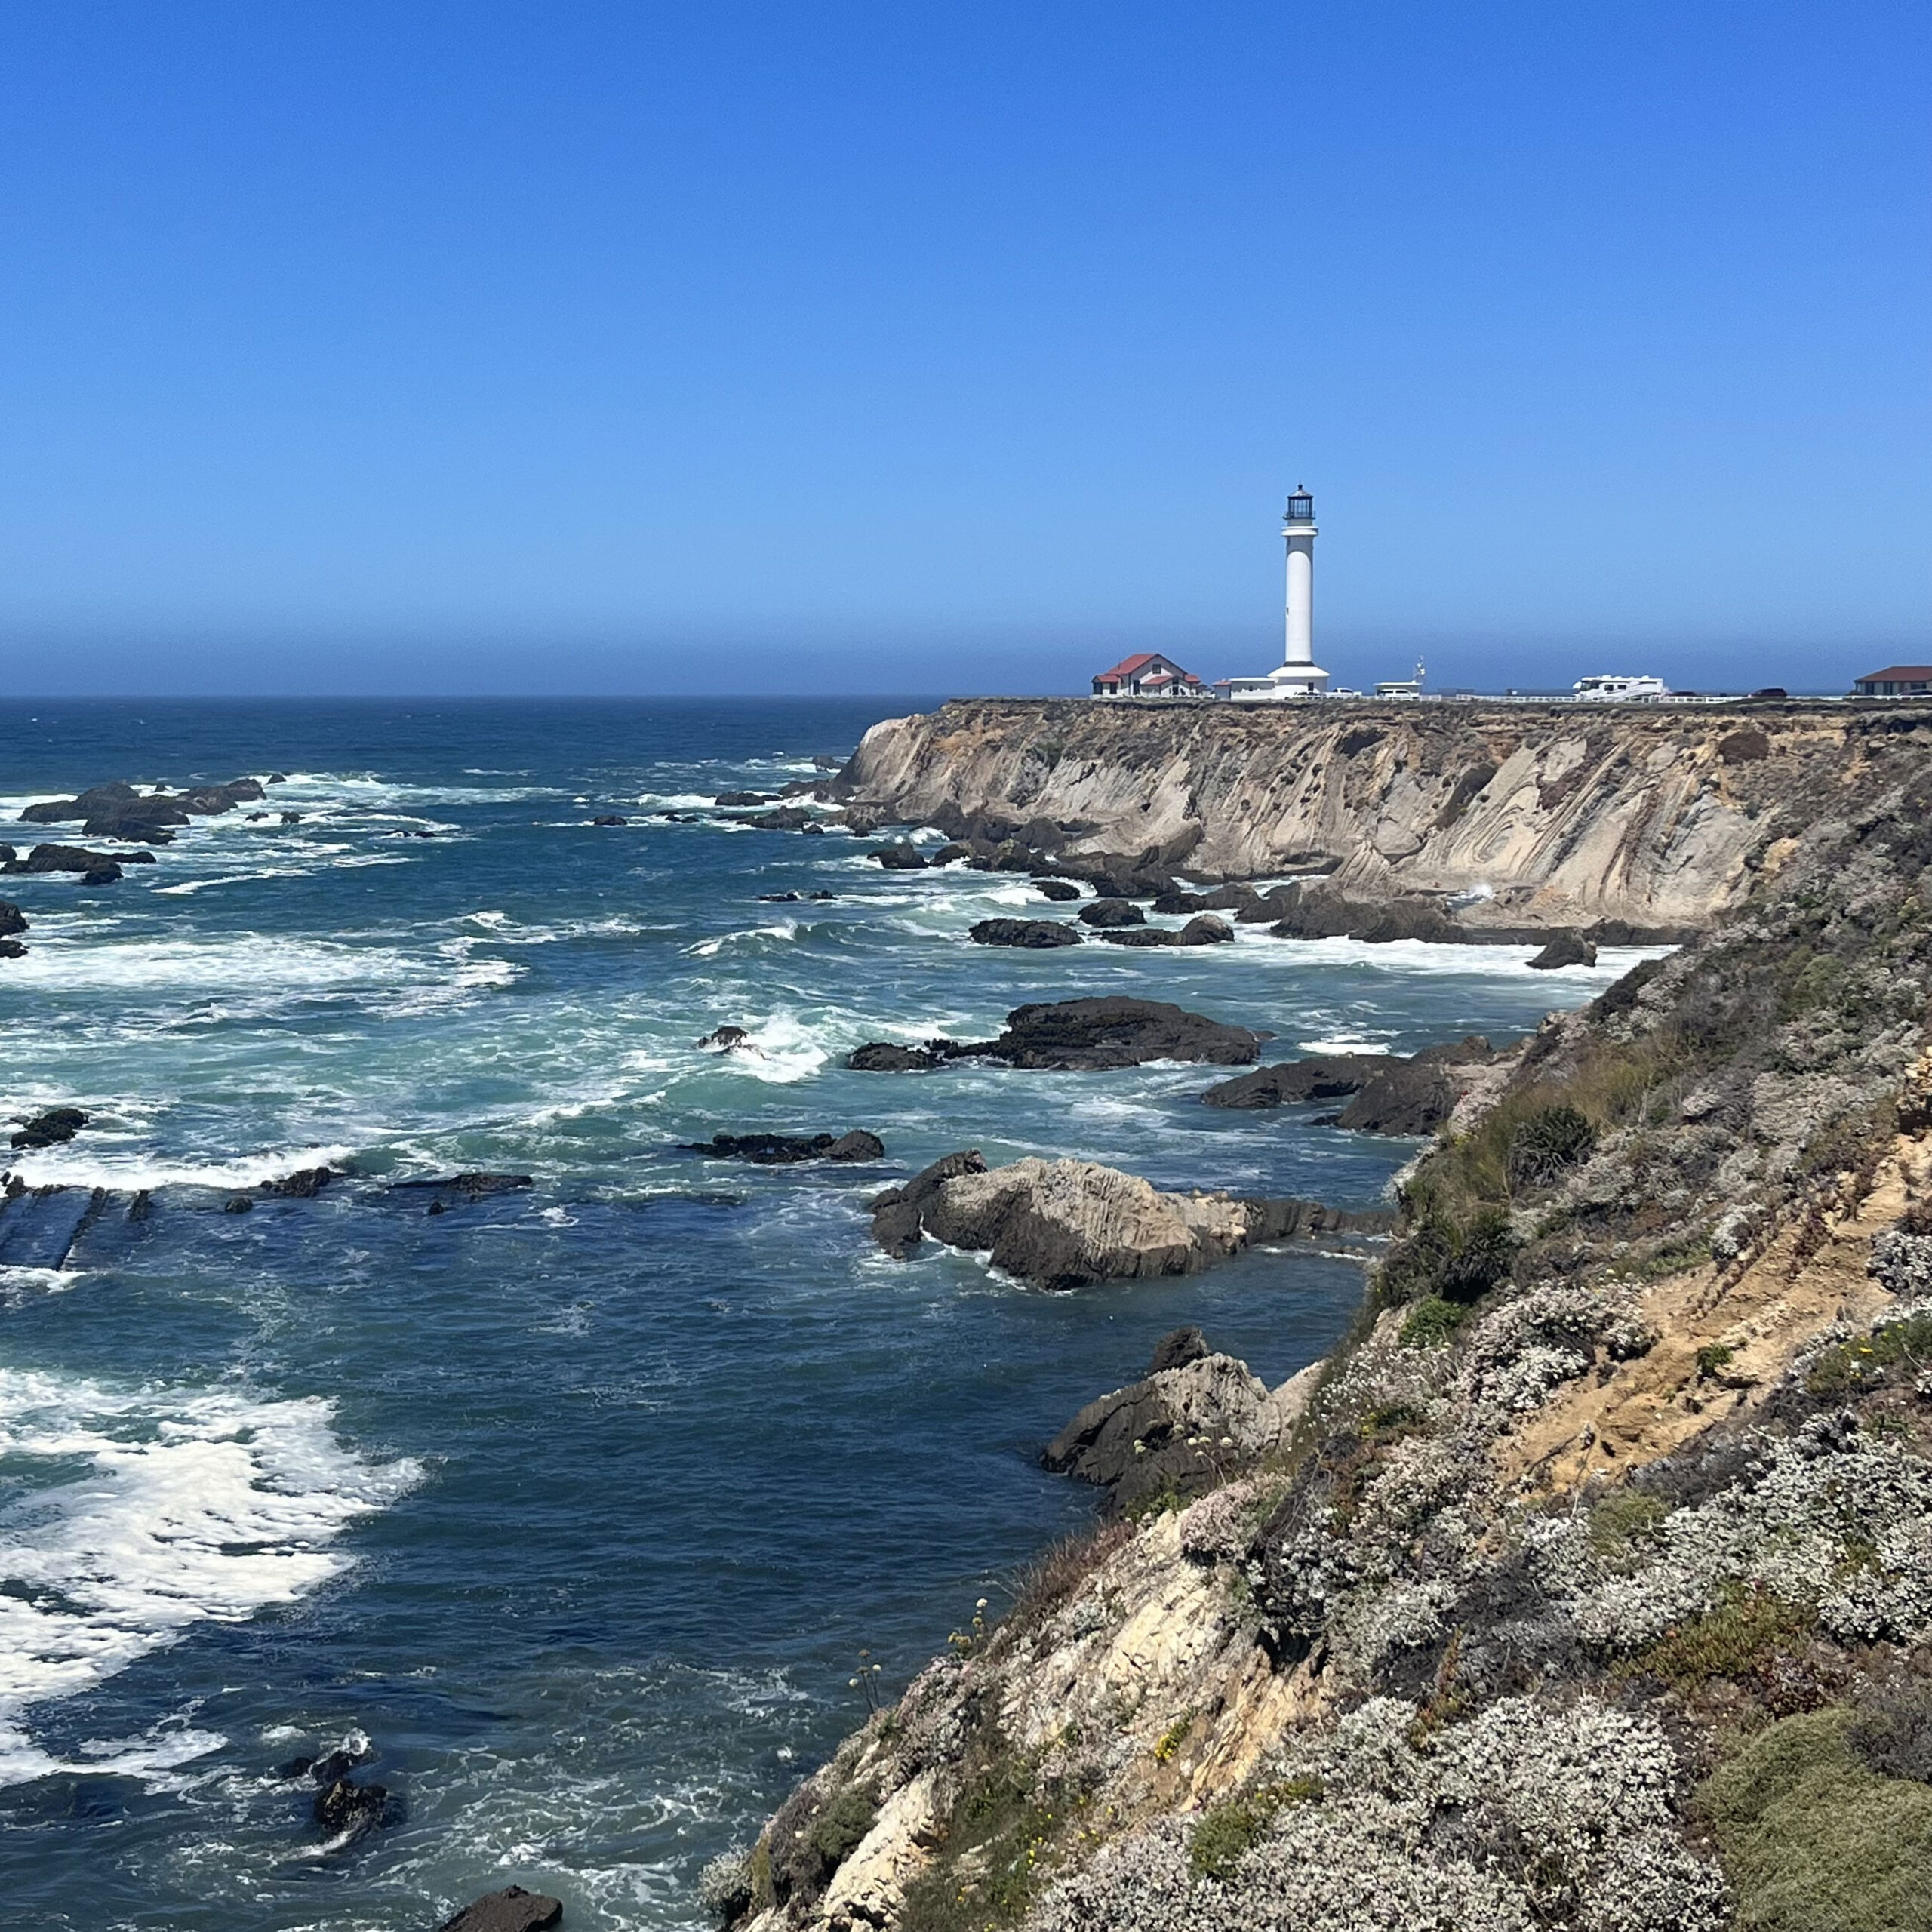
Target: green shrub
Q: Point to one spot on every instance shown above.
(1228, 1832)
(1839, 1372)
(1742, 1633)
(1432, 1321)
(1713, 1357)
(1812, 1841)
(837, 1830)
(1549, 1143)
(1624, 1520)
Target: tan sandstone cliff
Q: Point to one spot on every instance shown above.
(1550, 815)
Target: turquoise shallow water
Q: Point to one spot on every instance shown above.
(580, 1502)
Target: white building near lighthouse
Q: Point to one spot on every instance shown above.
(1299, 675)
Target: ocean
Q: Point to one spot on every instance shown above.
(580, 1503)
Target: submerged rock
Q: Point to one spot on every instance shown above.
(475, 1185)
(12, 919)
(774, 1150)
(727, 1039)
(51, 1129)
(610, 818)
(303, 1185)
(513, 1909)
(1038, 934)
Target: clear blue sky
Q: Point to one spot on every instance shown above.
(580, 347)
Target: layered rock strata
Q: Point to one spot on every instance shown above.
(1533, 817)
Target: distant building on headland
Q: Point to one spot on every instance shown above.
(1148, 674)
(1894, 681)
(1298, 676)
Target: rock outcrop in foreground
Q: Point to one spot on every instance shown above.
(1551, 815)
(1590, 1587)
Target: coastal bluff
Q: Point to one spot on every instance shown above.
(1529, 815)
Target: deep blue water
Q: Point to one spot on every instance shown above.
(580, 1502)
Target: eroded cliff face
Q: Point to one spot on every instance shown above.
(1553, 816)
(1588, 1585)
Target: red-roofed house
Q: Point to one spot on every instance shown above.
(1894, 681)
(1147, 674)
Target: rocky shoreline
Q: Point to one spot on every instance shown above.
(1586, 1585)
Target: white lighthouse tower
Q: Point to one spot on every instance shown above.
(1300, 675)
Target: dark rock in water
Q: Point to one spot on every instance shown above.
(510, 1910)
(896, 1213)
(785, 818)
(1320, 1077)
(340, 1763)
(1204, 929)
(239, 1204)
(775, 899)
(1106, 914)
(101, 875)
(900, 858)
(295, 1768)
(1565, 949)
(775, 1150)
(886, 1057)
(291, 818)
(1177, 1348)
(727, 1038)
(51, 1128)
(1286, 1218)
(610, 818)
(346, 1806)
(1062, 891)
(1144, 936)
(475, 1185)
(1040, 934)
(745, 798)
(1081, 1035)
(255, 818)
(11, 949)
(303, 1185)
(812, 829)
(12, 919)
(72, 859)
(1408, 1097)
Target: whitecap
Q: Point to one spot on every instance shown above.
(195, 1505)
(77, 1164)
(708, 948)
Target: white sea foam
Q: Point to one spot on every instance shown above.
(1426, 956)
(77, 1164)
(251, 973)
(780, 1050)
(196, 1505)
(709, 949)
